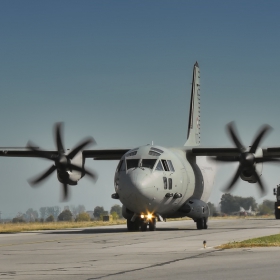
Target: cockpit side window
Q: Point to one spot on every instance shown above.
(165, 165)
(159, 166)
(149, 163)
(119, 166)
(132, 163)
(170, 165)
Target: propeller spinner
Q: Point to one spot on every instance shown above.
(62, 161)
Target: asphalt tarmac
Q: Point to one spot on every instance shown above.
(174, 251)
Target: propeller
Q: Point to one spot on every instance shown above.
(61, 160)
(246, 158)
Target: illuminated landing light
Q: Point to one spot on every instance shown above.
(278, 207)
(142, 216)
(149, 216)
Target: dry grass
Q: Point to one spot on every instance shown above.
(19, 227)
(265, 241)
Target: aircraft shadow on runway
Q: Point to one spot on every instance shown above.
(110, 230)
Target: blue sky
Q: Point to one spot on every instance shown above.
(120, 71)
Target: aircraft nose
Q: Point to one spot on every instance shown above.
(139, 180)
(137, 189)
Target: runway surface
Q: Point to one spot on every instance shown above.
(174, 251)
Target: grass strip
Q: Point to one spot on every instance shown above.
(265, 241)
(20, 227)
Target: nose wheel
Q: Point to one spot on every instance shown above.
(144, 226)
(152, 224)
(133, 226)
(140, 224)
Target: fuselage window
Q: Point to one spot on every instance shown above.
(165, 183)
(132, 163)
(159, 166)
(170, 183)
(149, 163)
(165, 165)
(170, 165)
(119, 166)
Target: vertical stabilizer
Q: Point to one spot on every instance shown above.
(193, 138)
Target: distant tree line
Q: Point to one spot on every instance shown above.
(231, 204)
(70, 213)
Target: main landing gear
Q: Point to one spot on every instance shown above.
(202, 223)
(140, 224)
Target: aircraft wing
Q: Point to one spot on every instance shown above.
(272, 152)
(215, 152)
(112, 154)
(106, 154)
(24, 153)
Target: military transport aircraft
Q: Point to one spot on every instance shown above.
(153, 182)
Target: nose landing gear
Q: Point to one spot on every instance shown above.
(141, 224)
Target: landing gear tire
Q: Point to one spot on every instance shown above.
(152, 224)
(200, 223)
(205, 223)
(144, 226)
(277, 211)
(133, 226)
(130, 225)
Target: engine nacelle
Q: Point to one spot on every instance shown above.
(195, 209)
(247, 175)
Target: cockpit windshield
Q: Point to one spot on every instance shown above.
(144, 163)
(132, 163)
(149, 163)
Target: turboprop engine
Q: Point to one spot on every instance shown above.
(69, 164)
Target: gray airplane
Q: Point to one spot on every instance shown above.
(153, 182)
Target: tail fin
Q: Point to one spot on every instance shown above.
(193, 138)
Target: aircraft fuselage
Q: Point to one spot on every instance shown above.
(157, 180)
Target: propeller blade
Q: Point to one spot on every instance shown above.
(59, 145)
(79, 147)
(232, 131)
(40, 153)
(259, 137)
(234, 179)
(65, 191)
(83, 170)
(43, 176)
(261, 185)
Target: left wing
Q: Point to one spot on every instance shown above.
(250, 158)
